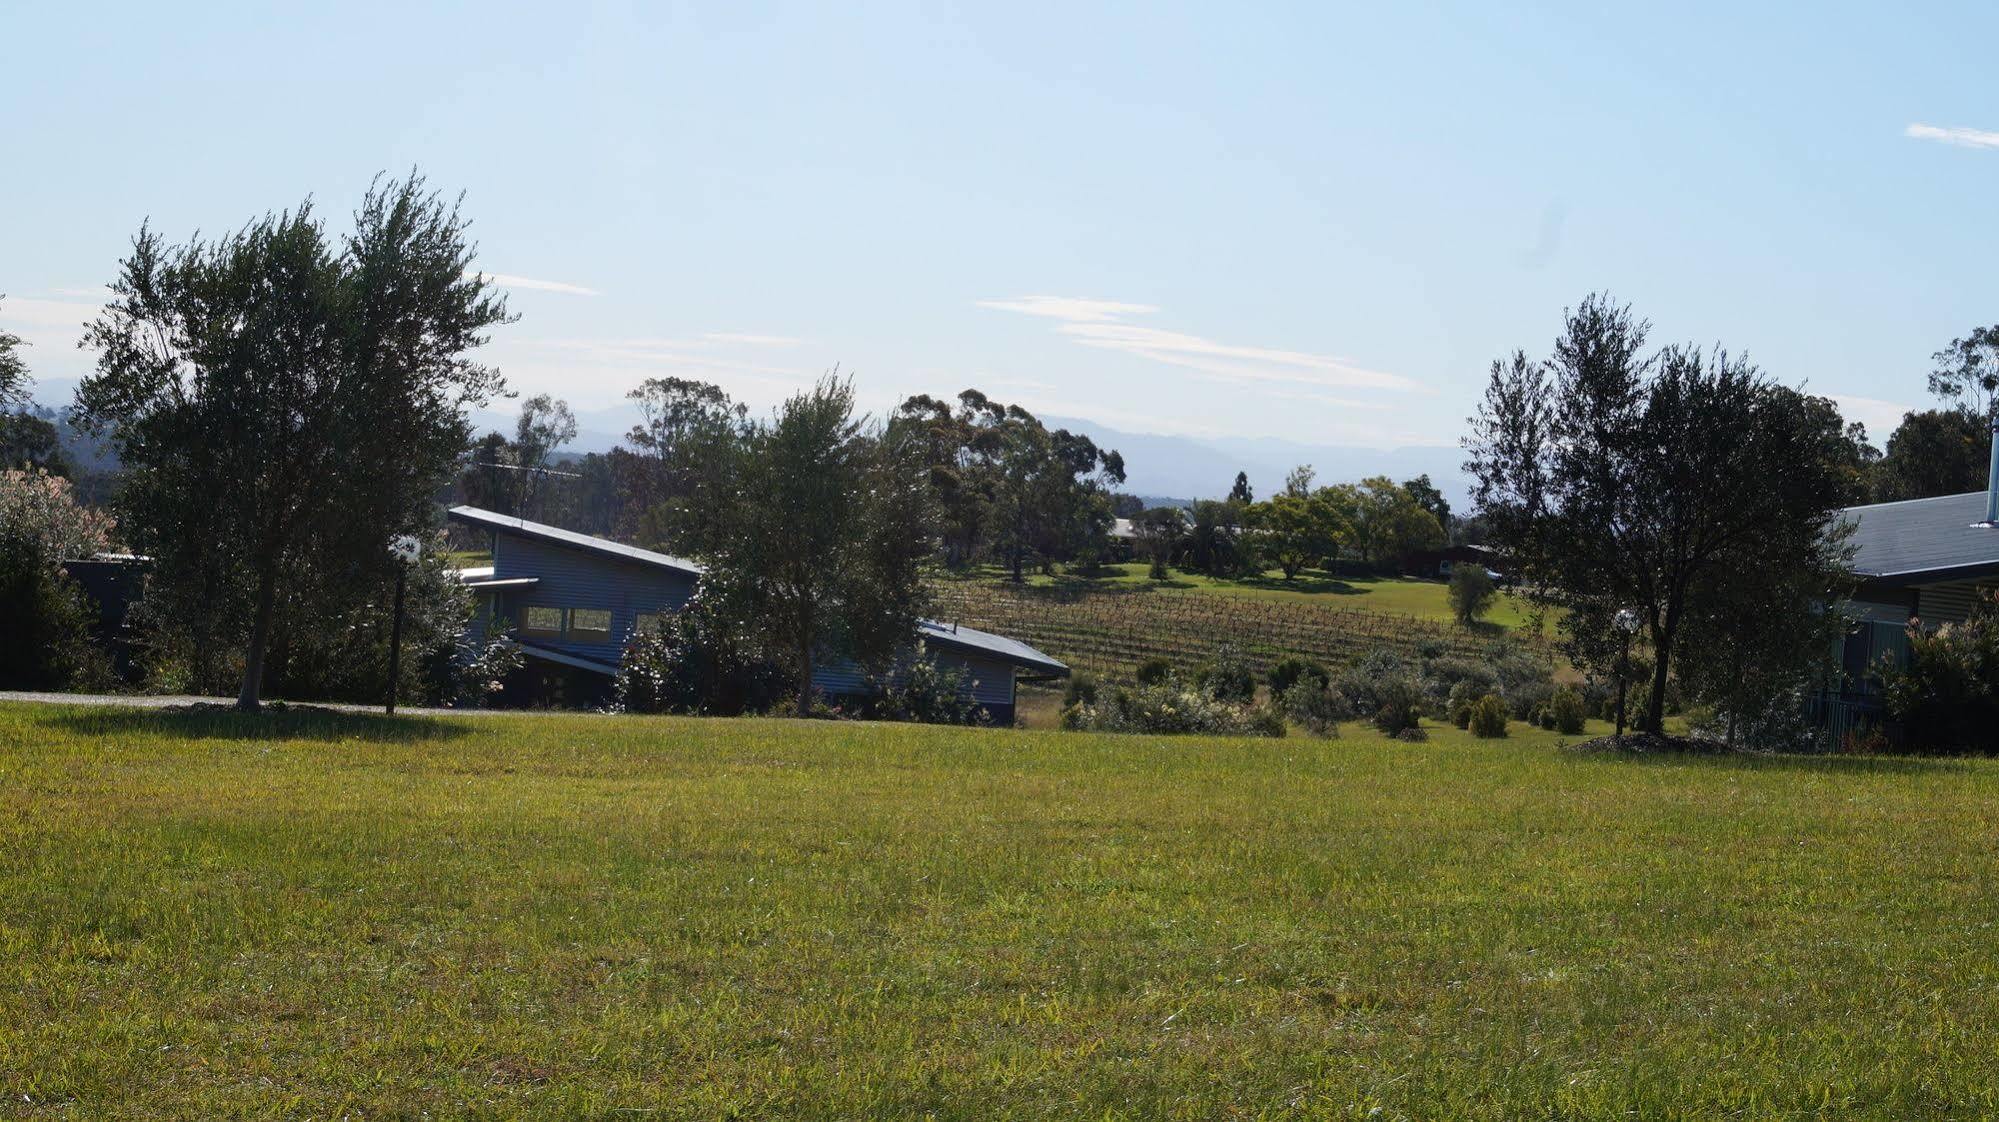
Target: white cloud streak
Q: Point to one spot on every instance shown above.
(1961, 137)
(751, 340)
(508, 280)
(1070, 308)
(1102, 324)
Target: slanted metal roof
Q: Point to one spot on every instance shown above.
(990, 645)
(1924, 539)
(506, 524)
(563, 658)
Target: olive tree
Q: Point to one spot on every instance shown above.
(284, 402)
(1612, 479)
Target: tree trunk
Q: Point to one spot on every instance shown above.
(1655, 705)
(260, 638)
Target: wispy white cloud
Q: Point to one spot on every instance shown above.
(1962, 137)
(99, 292)
(508, 280)
(751, 340)
(1070, 308)
(1103, 324)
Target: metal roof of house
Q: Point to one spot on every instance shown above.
(507, 524)
(987, 643)
(1924, 539)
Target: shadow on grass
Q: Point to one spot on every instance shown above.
(290, 723)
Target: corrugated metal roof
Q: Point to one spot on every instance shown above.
(985, 642)
(1931, 538)
(474, 516)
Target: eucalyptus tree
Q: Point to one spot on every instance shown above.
(284, 402)
(1007, 486)
(545, 424)
(678, 455)
(1611, 479)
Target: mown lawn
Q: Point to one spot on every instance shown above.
(573, 916)
(1417, 597)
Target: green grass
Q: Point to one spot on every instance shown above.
(1417, 597)
(572, 916)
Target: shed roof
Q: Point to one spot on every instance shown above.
(555, 535)
(988, 644)
(1924, 539)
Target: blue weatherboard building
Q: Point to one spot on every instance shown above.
(570, 602)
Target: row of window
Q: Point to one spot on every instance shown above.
(582, 625)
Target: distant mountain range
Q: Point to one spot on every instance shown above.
(1156, 466)
(1182, 467)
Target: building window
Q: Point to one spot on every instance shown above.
(541, 621)
(590, 624)
(647, 621)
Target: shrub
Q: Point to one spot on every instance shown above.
(689, 665)
(1443, 676)
(1315, 707)
(1266, 720)
(1471, 592)
(1291, 669)
(1153, 672)
(1566, 712)
(1457, 708)
(480, 673)
(48, 644)
(926, 692)
(1158, 570)
(1080, 690)
(1227, 676)
(1361, 681)
(1398, 704)
(1947, 698)
(1413, 734)
(1171, 708)
(1488, 716)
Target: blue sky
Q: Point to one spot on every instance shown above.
(1316, 222)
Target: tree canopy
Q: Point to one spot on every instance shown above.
(13, 371)
(820, 538)
(283, 404)
(1006, 486)
(1612, 479)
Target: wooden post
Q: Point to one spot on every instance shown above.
(1623, 680)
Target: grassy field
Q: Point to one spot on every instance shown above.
(573, 916)
(1416, 597)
